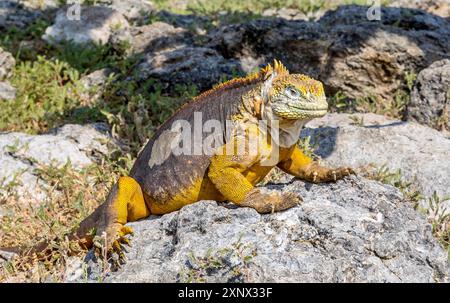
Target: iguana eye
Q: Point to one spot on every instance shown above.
(292, 92)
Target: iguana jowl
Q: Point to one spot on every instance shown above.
(161, 182)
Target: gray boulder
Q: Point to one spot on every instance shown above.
(21, 154)
(96, 82)
(97, 24)
(172, 57)
(422, 153)
(355, 230)
(430, 98)
(133, 10)
(159, 36)
(7, 63)
(13, 13)
(7, 91)
(201, 66)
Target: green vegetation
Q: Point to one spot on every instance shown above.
(71, 196)
(46, 92)
(396, 179)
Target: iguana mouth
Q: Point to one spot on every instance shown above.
(311, 112)
(297, 113)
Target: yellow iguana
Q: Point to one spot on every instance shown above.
(162, 181)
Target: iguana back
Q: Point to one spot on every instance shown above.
(170, 173)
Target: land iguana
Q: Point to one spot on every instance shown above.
(162, 181)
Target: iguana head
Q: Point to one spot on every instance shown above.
(291, 96)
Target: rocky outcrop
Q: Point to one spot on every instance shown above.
(430, 98)
(203, 67)
(21, 154)
(13, 13)
(344, 49)
(159, 36)
(422, 154)
(171, 56)
(353, 231)
(97, 24)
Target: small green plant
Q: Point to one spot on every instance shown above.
(357, 120)
(410, 78)
(199, 268)
(396, 179)
(339, 102)
(439, 218)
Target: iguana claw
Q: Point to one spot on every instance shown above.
(111, 242)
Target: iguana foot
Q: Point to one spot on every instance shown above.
(317, 174)
(112, 240)
(270, 202)
(124, 204)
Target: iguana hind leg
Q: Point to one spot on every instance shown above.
(125, 203)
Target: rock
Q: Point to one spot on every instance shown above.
(7, 91)
(422, 153)
(42, 4)
(355, 230)
(171, 55)
(97, 78)
(159, 36)
(437, 7)
(285, 13)
(7, 63)
(430, 98)
(95, 83)
(13, 13)
(21, 154)
(343, 49)
(97, 25)
(201, 66)
(133, 10)
(293, 14)
(192, 22)
(6, 256)
(94, 139)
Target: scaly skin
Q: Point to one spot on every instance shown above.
(272, 95)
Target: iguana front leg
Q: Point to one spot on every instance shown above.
(225, 171)
(303, 167)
